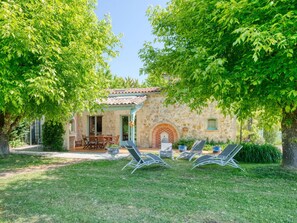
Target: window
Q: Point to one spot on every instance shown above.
(126, 126)
(212, 124)
(95, 125)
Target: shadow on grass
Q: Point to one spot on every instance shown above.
(272, 171)
(99, 191)
(13, 161)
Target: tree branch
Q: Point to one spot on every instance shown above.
(14, 124)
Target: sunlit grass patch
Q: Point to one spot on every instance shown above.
(13, 161)
(98, 191)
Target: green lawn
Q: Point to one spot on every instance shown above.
(98, 191)
(16, 162)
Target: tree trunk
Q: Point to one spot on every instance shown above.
(4, 144)
(289, 139)
(4, 136)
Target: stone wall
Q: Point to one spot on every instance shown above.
(173, 121)
(154, 114)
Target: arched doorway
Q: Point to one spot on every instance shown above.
(163, 130)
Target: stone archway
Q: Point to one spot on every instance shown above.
(159, 130)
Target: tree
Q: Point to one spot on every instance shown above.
(113, 82)
(52, 136)
(127, 82)
(157, 80)
(240, 53)
(52, 54)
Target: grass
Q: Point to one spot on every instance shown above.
(14, 162)
(98, 191)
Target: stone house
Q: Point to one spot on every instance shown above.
(139, 114)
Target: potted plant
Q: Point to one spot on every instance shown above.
(113, 149)
(182, 148)
(183, 143)
(216, 149)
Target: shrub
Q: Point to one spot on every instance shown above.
(18, 135)
(190, 141)
(255, 153)
(211, 143)
(53, 136)
(17, 143)
(184, 141)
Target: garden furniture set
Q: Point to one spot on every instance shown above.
(99, 142)
(226, 158)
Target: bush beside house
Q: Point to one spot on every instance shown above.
(53, 136)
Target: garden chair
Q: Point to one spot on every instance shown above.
(129, 143)
(86, 142)
(223, 159)
(93, 142)
(101, 142)
(196, 149)
(114, 140)
(166, 150)
(140, 160)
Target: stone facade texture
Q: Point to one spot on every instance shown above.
(179, 121)
(155, 119)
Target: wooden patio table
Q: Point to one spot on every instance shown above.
(97, 142)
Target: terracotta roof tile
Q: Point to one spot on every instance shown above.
(128, 100)
(135, 90)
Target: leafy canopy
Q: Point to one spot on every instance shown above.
(240, 53)
(114, 82)
(52, 55)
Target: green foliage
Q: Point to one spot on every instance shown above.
(184, 141)
(270, 135)
(241, 54)
(53, 55)
(217, 51)
(249, 130)
(52, 136)
(255, 153)
(114, 82)
(17, 143)
(114, 146)
(211, 143)
(214, 143)
(18, 135)
(190, 141)
(158, 80)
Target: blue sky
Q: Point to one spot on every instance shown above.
(129, 18)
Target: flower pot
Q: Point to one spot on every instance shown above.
(113, 151)
(216, 149)
(182, 148)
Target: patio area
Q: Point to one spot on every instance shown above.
(122, 150)
(81, 153)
